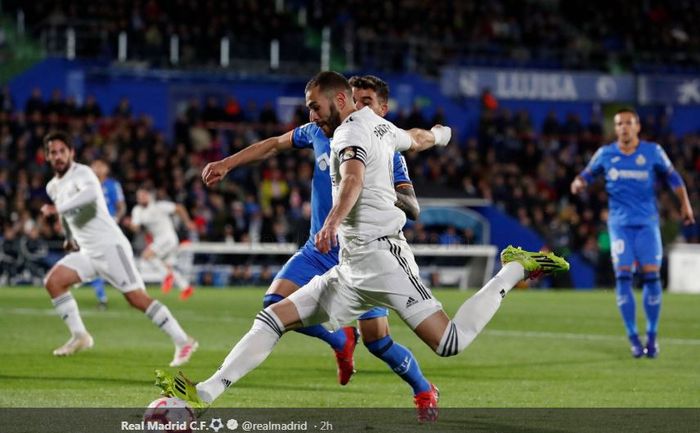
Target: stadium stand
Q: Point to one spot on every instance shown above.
(389, 36)
(525, 172)
(522, 167)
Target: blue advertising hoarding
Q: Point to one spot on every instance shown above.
(669, 89)
(520, 84)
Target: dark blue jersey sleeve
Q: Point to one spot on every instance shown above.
(302, 138)
(400, 169)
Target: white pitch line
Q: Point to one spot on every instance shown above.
(497, 332)
(574, 336)
(117, 314)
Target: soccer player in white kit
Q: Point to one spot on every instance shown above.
(376, 265)
(155, 216)
(99, 249)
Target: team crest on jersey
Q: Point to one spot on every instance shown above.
(323, 162)
(613, 174)
(348, 153)
(640, 160)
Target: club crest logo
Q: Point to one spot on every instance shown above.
(640, 160)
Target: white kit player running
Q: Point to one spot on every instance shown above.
(155, 216)
(97, 249)
(376, 265)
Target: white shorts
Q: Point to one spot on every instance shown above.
(381, 273)
(115, 264)
(165, 249)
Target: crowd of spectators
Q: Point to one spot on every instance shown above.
(524, 170)
(396, 35)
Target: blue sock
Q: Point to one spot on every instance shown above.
(98, 286)
(401, 361)
(625, 301)
(652, 300)
(335, 339)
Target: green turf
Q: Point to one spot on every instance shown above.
(543, 349)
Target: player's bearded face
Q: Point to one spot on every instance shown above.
(332, 121)
(323, 111)
(328, 120)
(59, 156)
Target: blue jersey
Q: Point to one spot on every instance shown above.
(113, 193)
(630, 181)
(311, 136)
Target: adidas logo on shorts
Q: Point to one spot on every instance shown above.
(411, 302)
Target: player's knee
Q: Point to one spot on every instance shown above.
(378, 347)
(54, 284)
(623, 274)
(651, 277)
(267, 321)
(271, 298)
(453, 341)
(623, 277)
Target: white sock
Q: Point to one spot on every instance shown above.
(67, 309)
(160, 265)
(180, 281)
(478, 310)
(246, 355)
(164, 319)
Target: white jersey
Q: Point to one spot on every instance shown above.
(156, 217)
(90, 224)
(376, 140)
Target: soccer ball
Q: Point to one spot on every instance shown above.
(168, 414)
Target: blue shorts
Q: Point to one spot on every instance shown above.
(308, 262)
(635, 244)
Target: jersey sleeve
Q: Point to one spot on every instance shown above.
(302, 136)
(88, 190)
(663, 166)
(351, 135)
(594, 167)
(662, 163)
(403, 140)
(136, 216)
(400, 170)
(118, 192)
(166, 206)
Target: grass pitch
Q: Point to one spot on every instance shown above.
(543, 349)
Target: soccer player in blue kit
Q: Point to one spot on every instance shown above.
(631, 168)
(309, 262)
(116, 205)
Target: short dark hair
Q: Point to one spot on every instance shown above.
(57, 135)
(371, 82)
(630, 110)
(329, 81)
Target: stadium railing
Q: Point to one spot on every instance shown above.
(463, 266)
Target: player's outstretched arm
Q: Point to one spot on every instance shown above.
(423, 139)
(407, 201)
(215, 171)
(352, 175)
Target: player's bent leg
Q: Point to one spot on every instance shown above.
(161, 316)
(375, 336)
(651, 295)
(471, 318)
(342, 341)
(268, 327)
(58, 281)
